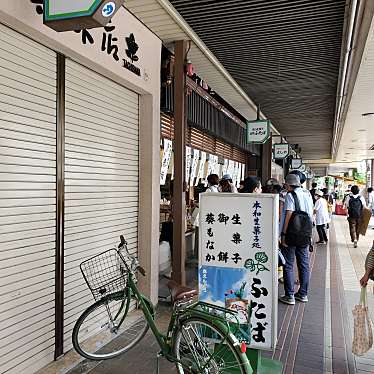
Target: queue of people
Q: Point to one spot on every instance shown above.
(300, 210)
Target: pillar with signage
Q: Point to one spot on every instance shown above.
(258, 132)
(238, 259)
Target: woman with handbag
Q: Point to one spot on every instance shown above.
(369, 267)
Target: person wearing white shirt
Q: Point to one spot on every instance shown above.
(213, 183)
(354, 203)
(322, 216)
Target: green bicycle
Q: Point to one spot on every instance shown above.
(200, 336)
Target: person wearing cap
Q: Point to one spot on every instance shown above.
(301, 253)
(272, 186)
(226, 184)
(322, 216)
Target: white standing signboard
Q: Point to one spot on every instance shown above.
(166, 157)
(238, 259)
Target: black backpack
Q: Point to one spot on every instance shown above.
(355, 207)
(300, 227)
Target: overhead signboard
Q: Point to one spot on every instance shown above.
(71, 15)
(238, 259)
(296, 163)
(258, 131)
(281, 150)
(302, 168)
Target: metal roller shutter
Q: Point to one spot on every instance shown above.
(27, 203)
(101, 177)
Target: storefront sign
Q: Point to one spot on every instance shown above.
(166, 157)
(70, 15)
(195, 162)
(188, 165)
(117, 40)
(296, 163)
(238, 259)
(281, 150)
(258, 132)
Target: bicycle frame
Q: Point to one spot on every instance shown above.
(197, 310)
(164, 341)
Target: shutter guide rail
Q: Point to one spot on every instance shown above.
(60, 187)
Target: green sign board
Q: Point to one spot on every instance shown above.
(258, 132)
(69, 15)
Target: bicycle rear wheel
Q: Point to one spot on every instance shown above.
(110, 327)
(201, 347)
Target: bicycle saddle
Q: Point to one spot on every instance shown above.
(179, 292)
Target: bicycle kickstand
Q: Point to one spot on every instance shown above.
(158, 363)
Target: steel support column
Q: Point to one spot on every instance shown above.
(179, 202)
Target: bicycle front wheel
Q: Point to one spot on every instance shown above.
(201, 347)
(110, 327)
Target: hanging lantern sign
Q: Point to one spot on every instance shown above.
(281, 151)
(71, 15)
(258, 132)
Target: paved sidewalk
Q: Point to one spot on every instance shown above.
(313, 338)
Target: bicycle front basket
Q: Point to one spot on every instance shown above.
(105, 273)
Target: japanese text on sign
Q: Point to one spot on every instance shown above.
(168, 148)
(281, 150)
(258, 131)
(238, 259)
(122, 48)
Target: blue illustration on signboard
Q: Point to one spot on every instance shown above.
(229, 288)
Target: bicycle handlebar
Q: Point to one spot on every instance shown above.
(134, 261)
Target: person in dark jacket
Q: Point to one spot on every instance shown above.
(251, 185)
(313, 192)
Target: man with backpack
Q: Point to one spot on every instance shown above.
(354, 204)
(296, 237)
